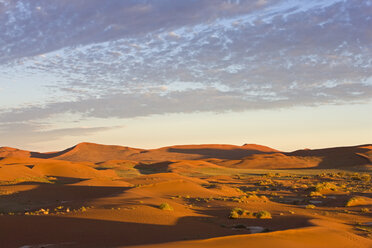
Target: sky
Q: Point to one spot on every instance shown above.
(288, 74)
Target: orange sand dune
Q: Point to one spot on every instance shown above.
(273, 161)
(246, 156)
(163, 177)
(177, 166)
(13, 152)
(96, 153)
(12, 168)
(338, 157)
(103, 182)
(318, 236)
(94, 195)
(99, 153)
(73, 170)
(14, 172)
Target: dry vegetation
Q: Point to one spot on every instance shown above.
(200, 201)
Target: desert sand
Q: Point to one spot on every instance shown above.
(93, 195)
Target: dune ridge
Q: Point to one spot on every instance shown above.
(247, 156)
(93, 195)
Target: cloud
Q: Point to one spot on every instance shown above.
(188, 101)
(125, 59)
(40, 26)
(29, 133)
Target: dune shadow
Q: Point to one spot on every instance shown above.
(50, 154)
(153, 168)
(218, 153)
(338, 157)
(46, 195)
(16, 231)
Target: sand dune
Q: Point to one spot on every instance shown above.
(14, 172)
(246, 156)
(94, 195)
(311, 237)
(99, 153)
(273, 161)
(13, 152)
(95, 153)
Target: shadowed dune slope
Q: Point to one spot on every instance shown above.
(328, 158)
(99, 153)
(338, 157)
(247, 156)
(308, 237)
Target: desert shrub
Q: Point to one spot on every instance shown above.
(322, 175)
(364, 210)
(365, 177)
(252, 196)
(239, 190)
(166, 206)
(354, 201)
(266, 182)
(355, 176)
(41, 211)
(237, 212)
(234, 215)
(325, 186)
(341, 174)
(212, 186)
(263, 215)
(315, 194)
(269, 175)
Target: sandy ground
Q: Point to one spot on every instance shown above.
(186, 196)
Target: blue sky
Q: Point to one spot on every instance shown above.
(284, 73)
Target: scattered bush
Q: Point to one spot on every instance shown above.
(166, 206)
(365, 210)
(325, 186)
(237, 212)
(263, 215)
(315, 194)
(234, 215)
(357, 200)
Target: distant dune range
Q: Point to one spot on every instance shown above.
(89, 160)
(250, 156)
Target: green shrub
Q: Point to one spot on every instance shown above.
(315, 194)
(234, 215)
(166, 206)
(263, 215)
(357, 200)
(237, 212)
(325, 186)
(364, 210)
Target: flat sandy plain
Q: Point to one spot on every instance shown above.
(94, 195)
